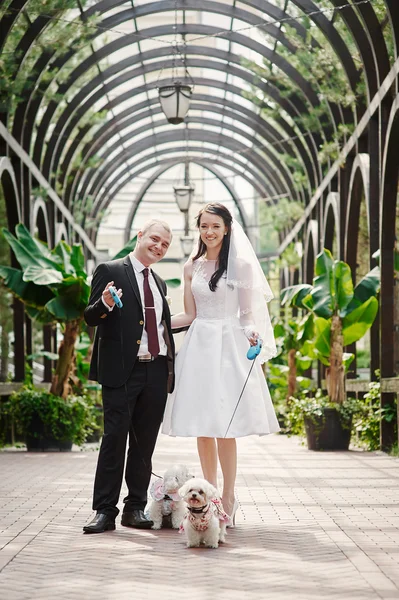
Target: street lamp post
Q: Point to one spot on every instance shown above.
(183, 196)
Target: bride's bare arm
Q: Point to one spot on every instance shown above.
(185, 318)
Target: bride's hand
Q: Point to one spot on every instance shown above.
(252, 335)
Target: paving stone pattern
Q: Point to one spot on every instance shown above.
(310, 525)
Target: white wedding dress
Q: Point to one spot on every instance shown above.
(212, 366)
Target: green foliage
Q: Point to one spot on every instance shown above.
(51, 283)
(333, 293)
(312, 405)
(41, 414)
(367, 425)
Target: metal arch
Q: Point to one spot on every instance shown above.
(77, 108)
(180, 136)
(372, 37)
(212, 6)
(388, 203)
(40, 205)
(42, 128)
(302, 84)
(271, 166)
(145, 187)
(248, 118)
(222, 86)
(331, 217)
(120, 183)
(61, 232)
(312, 235)
(219, 160)
(11, 194)
(265, 189)
(359, 181)
(83, 175)
(129, 137)
(199, 82)
(393, 13)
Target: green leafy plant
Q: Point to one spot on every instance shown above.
(294, 337)
(367, 425)
(343, 314)
(313, 406)
(40, 414)
(53, 286)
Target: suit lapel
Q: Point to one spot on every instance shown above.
(132, 277)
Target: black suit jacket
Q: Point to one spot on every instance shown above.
(119, 332)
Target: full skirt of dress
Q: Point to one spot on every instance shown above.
(211, 370)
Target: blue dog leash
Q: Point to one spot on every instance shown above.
(252, 354)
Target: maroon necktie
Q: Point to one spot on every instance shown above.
(150, 317)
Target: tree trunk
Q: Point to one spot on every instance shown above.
(291, 374)
(60, 384)
(4, 352)
(335, 375)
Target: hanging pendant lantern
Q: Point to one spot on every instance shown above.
(175, 101)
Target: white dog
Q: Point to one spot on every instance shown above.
(205, 520)
(166, 503)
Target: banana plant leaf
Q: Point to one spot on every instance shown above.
(28, 254)
(347, 359)
(40, 315)
(29, 293)
(343, 285)
(367, 287)
(78, 260)
(64, 252)
(303, 362)
(130, 246)
(359, 321)
(294, 294)
(41, 354)
(323, 335)
(42, 276)
(323, 292)
(33, 245)
(63, 310)
(306, 329)
(173, 283)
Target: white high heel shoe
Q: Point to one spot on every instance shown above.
(233, 515)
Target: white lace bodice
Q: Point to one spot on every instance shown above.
(210, 305)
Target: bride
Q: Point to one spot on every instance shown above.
(225, 305)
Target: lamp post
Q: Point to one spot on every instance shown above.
(183, 196)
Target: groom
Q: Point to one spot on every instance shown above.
(133, 359)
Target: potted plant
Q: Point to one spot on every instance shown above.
(49, 422)
(327, 425)
(343, 313)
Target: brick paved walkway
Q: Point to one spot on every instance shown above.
(310, 525)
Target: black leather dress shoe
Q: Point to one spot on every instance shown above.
(136, 519)
(100, 523)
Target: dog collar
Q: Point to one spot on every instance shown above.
(198, 511)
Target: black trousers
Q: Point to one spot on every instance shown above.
(135, 409)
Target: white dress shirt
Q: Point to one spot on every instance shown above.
(158, 303)
(138, 268)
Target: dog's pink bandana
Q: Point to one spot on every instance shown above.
(158, 493)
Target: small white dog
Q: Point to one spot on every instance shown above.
(205, 520)
(166, 504)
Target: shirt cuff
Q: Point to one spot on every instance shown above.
(110, 308)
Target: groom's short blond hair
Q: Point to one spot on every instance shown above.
(152, 222)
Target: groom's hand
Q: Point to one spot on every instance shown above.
(107, 295)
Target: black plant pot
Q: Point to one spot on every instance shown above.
(327, 432)
(37, 440)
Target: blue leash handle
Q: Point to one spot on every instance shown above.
(115, 297)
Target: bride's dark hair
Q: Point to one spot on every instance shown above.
(215, 208)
